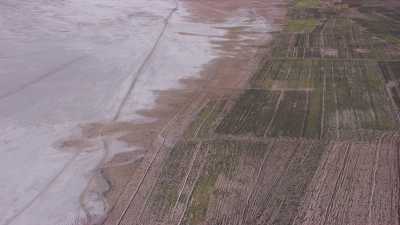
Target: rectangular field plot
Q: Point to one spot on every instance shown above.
(194, 175)
(391, 73)
(244, 183)
(292, 74)
(251, 113)
(382, 21)
(356, 183)
(360, 97)
(333, 38)
(232, 182)
(307, 12)
(224, 183)
(206, 120)
(161, 199)
(331, 98)
(291, 114)
(307, 98)
(390, 70)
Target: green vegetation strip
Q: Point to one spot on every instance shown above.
(250, 114)
(174, 169)
(221, 160)
(302, 25)
(307, 3)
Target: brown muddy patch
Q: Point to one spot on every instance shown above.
(220, 10)
(75, 143)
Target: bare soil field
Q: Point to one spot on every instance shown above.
(308, 137)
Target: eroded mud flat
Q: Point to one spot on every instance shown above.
(92, 92)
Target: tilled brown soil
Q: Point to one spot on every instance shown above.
(356, 183)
